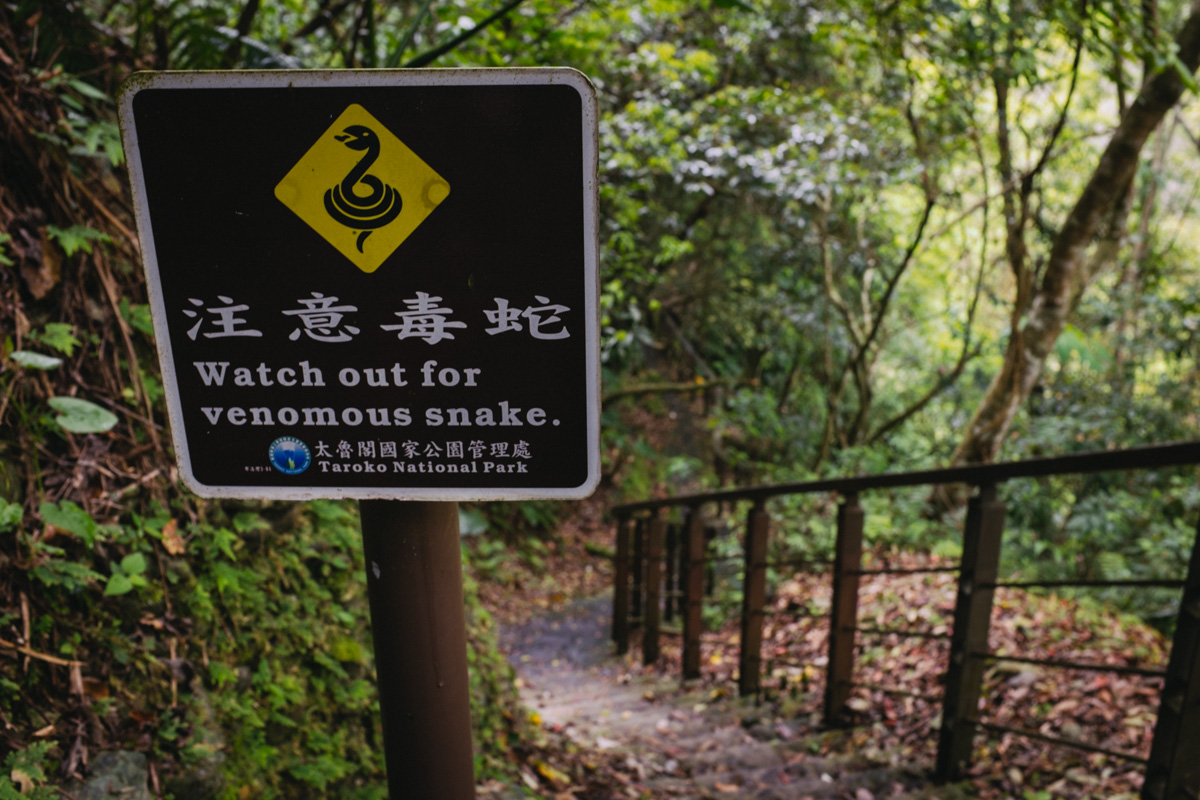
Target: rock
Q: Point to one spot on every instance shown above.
(204, 781)
(113, 773)
(204, 778)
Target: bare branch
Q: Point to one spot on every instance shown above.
(668, 387)
(893, 282)
(245, 22)
(1056, 131)
(432, 55)
(324, 18)
(393, 59)
(831, 291)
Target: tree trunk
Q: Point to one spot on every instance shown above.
(1054, 299)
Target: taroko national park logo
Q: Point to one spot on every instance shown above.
(362, 189)
(289, 455)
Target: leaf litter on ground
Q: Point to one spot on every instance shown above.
(1111, 711)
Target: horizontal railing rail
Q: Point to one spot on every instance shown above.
(1174, 454)
(665, 569)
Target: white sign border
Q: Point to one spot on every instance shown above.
(278, 79)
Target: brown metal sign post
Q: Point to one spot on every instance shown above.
(378, 285)
(414, 577)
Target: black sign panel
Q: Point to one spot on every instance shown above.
(373, 284)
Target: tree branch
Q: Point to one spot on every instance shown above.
(1115, 170)
(893, 282)
(1052, 303)
(393, 59)
(1056, 131)
(322, 19)
(831, 291)
(668, 387)
(432, 55)
(245, 21)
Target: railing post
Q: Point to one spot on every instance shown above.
(671, 579)
(972, 617)
(843, 618)
(710, 569)
(754, 598)
(637, 571)
(620, 623)
(656, 528)
(693, 592)
(1173, 770)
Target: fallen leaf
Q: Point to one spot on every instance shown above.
(551, 773)
(95, 689)
(42, 266)
(23, 782)
(172, 542)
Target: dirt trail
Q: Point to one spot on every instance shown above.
(678, 741)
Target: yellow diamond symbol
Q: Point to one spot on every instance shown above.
(362, 189)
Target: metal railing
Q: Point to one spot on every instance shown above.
(661, 567)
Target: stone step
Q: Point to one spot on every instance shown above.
(692, 743)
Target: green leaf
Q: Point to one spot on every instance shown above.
(76, 238)
(138, 316)
(82, 416)
(733, 4)
(133, 564)
(346, 649)
(32, 360)
(71, 575)
(58, 335)
(10, 514)
(1185, 74)
(71, 518)
(118, 584)
(87, 90)
(471, 522)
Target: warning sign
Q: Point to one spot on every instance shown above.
(362, 188)
(377, 284)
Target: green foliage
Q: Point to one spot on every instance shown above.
(32, 360)
(23, 773)
(277, 605)
(138, 316)
(57, 335)
(504, 535)
(10, 515)
(76, 238)
(81, 416)
(73, 519)
(127, 575)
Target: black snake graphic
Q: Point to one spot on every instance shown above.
(376, 209)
